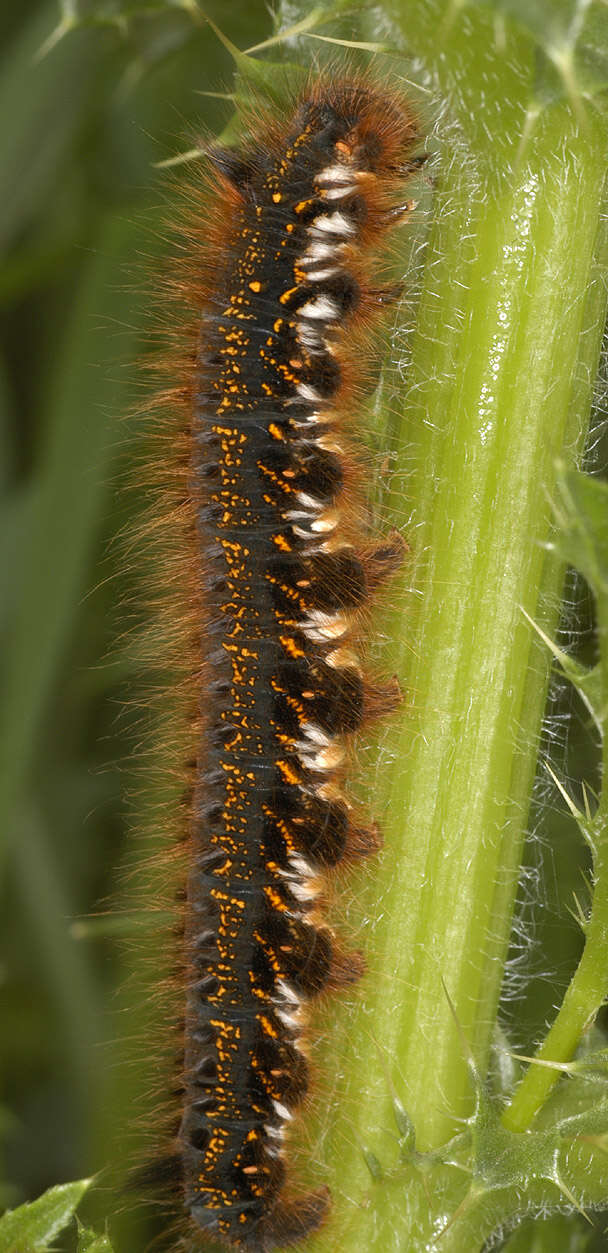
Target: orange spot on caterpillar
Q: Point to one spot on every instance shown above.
(281, 543)
(288, 773)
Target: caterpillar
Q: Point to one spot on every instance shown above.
(277, 273)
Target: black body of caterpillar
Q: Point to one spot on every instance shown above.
(284, 303)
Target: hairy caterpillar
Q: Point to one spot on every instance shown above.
(275, 576)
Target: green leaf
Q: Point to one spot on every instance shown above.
(573, 41)
(582, 512)
(90, 1241)
(70, 481)
(34, 1225)
(259, 76)
(34, 102)
(564, 1232)
(588, 682)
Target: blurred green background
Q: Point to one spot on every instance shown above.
(81, 128)
(81, 215)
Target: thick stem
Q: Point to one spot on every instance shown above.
(495, 359)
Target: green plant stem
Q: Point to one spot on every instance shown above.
(495, 396)
(483, 506)
(584, 997)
